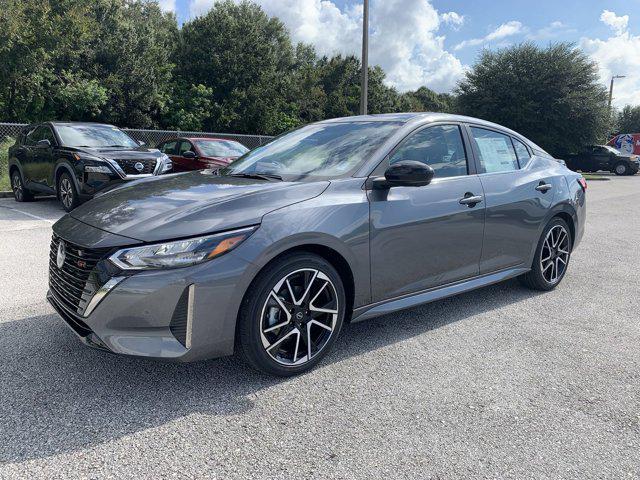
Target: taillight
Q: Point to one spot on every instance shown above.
(583, 183)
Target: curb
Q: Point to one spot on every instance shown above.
(8, 194)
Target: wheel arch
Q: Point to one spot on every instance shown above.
(331, 255)
(64, 167)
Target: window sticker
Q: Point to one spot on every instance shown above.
(496, 154)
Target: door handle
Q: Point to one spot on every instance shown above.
(544, 187)
(470, 199)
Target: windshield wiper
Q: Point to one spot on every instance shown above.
(260, 176)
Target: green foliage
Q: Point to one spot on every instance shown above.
(550, 95)
(4, 163)
(628, 120)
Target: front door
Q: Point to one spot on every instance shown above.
(424, 237)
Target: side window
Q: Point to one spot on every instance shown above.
(496, 151)
(522, 152)
(185, 146)
(440, 147)
(169, 148)
(32, 136)
(47, 134)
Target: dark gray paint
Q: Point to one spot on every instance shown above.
(404, 246)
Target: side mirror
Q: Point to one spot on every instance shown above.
(189, 154)
(407, 173)
(44, 143)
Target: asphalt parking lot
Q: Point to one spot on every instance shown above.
(501, 382)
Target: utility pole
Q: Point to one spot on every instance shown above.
(611, 90)
(364, 82)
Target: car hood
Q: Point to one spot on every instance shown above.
(140, 153)
(218, 160)
(184, 205)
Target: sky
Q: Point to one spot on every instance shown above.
(433, 42)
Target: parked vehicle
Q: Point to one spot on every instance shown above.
(75, 160)
(201, 153)
(627, 143)
(338, 221)
(604, 157)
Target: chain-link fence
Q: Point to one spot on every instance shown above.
(153, 137)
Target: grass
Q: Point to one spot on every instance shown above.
(591, 177)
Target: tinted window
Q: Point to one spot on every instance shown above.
(169, 148)
(320, 149)
(495, 150)
(185, 147)
(221, 148)
(32, 136)
(439, 146)
(521, 152)
(94, 136)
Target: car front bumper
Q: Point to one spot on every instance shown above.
(183, 314)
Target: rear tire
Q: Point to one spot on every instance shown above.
(552, 256)
(291, 315)
(20, 192)
(621, 169)
(67, 192)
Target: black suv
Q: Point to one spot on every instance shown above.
(76, 160)
(604, 157)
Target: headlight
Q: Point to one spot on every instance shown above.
(167, 164)
(181, 253)
(97, 169)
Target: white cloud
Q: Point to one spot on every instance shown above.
(551, 31)
(619, 24)
(167, 5)
(503, 31)
(617, 55)
(403, 40)
(453, 19)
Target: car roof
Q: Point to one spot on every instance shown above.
(84, 124)
(194, 139)
(426, 117)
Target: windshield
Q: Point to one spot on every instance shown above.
(94, 136)
(221, 148)
(612, 150)
(325, 150)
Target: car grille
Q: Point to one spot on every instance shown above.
(128, 166)
(76, 281)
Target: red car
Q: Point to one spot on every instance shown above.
(199, 153)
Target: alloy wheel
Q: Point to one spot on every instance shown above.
(66, 192)
(554, 256)
(299, 317)
(621, 169)
(16, 184)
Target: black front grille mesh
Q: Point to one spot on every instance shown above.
(128, 166)
(178, 325)
(74, 283)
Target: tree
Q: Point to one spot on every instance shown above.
(247, 59)
(426, 100)
(629, 120)
(552, 95)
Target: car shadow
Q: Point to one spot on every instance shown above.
(56, 395)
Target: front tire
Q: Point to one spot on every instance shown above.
(621, 169)
(67, 192)
(552, 256)
(291, 315)
(20, 192)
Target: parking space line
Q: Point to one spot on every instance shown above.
(29, 214)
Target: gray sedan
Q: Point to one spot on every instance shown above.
(335, 222)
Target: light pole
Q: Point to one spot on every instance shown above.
(611, 90)
(364, 81)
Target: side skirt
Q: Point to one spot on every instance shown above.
(438, 293)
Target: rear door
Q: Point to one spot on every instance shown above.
(44, 158)
(518, 191)
(424, 237)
